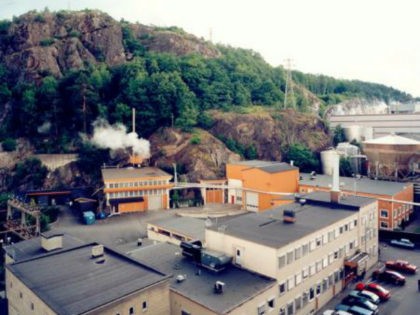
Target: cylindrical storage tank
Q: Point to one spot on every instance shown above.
(367, 133)
(353, 132)
(327, 161)
(391, 156)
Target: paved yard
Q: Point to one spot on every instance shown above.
(405, 299)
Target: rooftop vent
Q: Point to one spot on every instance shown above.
(289, 216)
(181, 278)
(51, 241)
(218, 287)
(97, 251)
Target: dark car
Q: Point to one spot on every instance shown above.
(389, 276)
(401, 265)
(379, 290)
(361, 302)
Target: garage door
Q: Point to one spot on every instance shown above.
(251, 201)
(131, 207)
(155, 202)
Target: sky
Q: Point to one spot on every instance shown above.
(369, 40)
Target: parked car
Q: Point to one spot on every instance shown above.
(372, 297)
(403, 242)
(334, 312)
(355, 310)
(361, 302)
(389, 276)
(401, 265)
(379, 290)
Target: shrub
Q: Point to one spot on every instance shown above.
(74, 33)
(47, 42)
(195, 139)
(9, 145)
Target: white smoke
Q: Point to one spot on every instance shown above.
(115, 137)
(44, 128)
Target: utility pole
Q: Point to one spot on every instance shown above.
(288, 93)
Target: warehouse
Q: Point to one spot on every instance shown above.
(136, 189)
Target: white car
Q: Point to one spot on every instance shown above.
(403, 242)
(333, 312)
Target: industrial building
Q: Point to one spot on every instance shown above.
(136, 189)
(260, 185)
(392, 157)
(390, 213)
(87, 279)
(196, 290)
(312, 247)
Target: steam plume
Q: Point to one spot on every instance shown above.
(116, 137)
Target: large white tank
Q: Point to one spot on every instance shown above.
(353, 132)
(327, 161)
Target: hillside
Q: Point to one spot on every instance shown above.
(62, 71)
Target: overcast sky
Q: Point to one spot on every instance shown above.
(369, 40)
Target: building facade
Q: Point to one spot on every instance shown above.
(260, 185)
(136, 189)
(313, 258)
(391, 213)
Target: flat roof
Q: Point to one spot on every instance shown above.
(192, 227)
(132, 173)
(267, 228)
(240, 285)
(267, 166)
(32, 248)
(364, 184)
(71, 282)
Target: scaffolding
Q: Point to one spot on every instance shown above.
(20, 226)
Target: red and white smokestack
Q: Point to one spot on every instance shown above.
(335, 190)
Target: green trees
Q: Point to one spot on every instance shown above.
(302, 157)
(30, 174)
(338, 135)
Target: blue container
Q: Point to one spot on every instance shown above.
(88, 217)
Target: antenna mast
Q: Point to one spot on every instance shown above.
(288, 93)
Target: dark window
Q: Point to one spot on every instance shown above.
(144, 305)
(185, 313)
(131, 311)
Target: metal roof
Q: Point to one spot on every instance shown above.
(240, 285)
(362, 185)
(267, 228)
(393, 139)
(32, 248)
(191, 227)
(71, 282)
(267, 166)
(132, 173)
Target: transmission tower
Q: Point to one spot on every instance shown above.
(289, 95)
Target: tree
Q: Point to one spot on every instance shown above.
(345, 167)
(302, 157)
(338, 135)
(30, 173)
(9, 145)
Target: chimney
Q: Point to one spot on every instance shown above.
(335, 189)
(97, 251)
(51, 241)
(218, 287)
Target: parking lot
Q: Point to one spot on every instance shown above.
(405, 299)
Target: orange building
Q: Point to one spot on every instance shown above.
(136, 189)
(391, 213)
(254, 184)
(213, 195)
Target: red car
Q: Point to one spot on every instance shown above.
(401, 265)
(380, 291)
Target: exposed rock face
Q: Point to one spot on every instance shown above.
(39, 43)
(269, 132)
(166, 41)
(204, 160)
(358, 106)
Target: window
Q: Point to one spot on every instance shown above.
(290, 308)
(312, 245)
(271, 304)
(298, 278)
(282, 261)
(298, 302)
(282, 311)
(20, 294)
(336, 276)
(355, 222)
(290, 283)
(183, 312)
(305, 249)
(341, 230)
(131, 311)
(32, 306)
(298, 253)
(384, 213)
(289, 257)
(144, 306)
(324, 285)
(312, 269)
(318, 241)
(325, 262)
(282, 288)
(261, 309)
(384, 224)
(319, 265)
(305, 272)
(305, 298)
(311, 294)
(318, 289)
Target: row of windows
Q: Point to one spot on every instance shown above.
(138, 193)
(265, 308)
(303, 250)
(137, 184)
(315, 267)
(307, 296)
